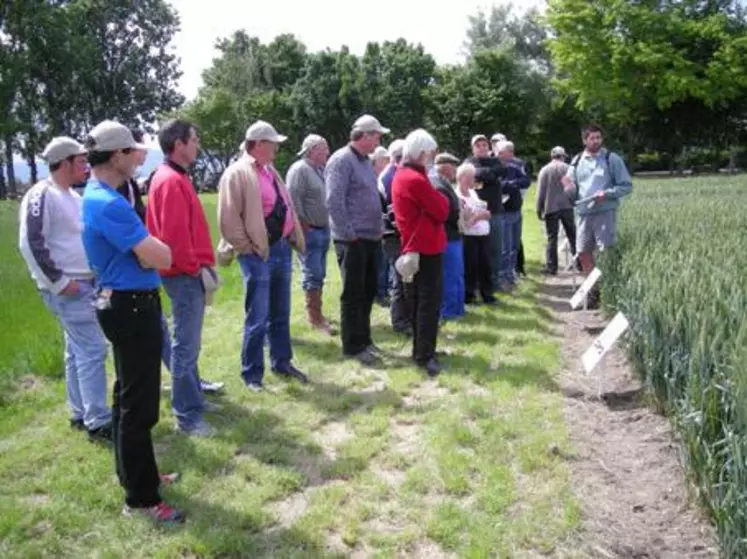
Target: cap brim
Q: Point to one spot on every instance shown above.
(139, 146)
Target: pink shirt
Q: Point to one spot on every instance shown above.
(267, 190)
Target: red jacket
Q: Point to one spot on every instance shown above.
(174, 215)
(420, 211)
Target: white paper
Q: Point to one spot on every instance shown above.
(505, 198)
(604, 342)
(583, 291)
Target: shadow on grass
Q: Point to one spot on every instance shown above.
(245, 532)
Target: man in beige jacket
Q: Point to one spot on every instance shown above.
(258, 224)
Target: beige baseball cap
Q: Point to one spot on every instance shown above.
(262, 131)
(478, 137)
(111, 136)
(310, 142)
(60, 148)
(557, 151)
(368, 123)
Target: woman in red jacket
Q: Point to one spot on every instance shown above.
(420, 212)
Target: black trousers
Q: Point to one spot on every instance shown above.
(520, 260)
(400, 308)
(552, 225)
(133, 326)
(477, 267)
(425, 292)
(357, 262)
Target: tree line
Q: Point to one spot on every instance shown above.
(668, 79)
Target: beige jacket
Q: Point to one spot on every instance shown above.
(240, 215)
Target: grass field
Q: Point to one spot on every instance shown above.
(361, 462)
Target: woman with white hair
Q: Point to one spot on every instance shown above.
(420, 212)
(476, 240)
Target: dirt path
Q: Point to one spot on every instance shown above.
(626, 469)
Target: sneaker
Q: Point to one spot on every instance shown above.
(201, 429)
(210, 387)
(374, 349)
(255, 386)
(169, 479)
(77, 424)
(101, 434)
(161, 513)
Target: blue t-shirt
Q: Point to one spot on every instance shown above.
(111, 228)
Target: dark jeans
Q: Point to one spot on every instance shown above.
(133, 326)
(425, 292)
(357, 262)
(400, 309)
(496, 248)
(267, 303)
(477, 267)
(552, 225)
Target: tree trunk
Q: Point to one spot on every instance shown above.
(9, 166)
(732, 159)
(33, 171)
(3, 189)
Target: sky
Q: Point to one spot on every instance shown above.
(323, 23)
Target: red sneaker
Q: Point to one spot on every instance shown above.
(160, 514)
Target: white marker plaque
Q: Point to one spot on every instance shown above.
(604, 342)
(583, 291)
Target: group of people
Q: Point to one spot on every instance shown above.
(447, 229)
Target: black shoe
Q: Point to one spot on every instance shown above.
(490, 300)
(77, 424)
(366, 358)
(289, 371)
(404, 330)
(255, 386)
(102, 434)
(548, 272)
(432, 367)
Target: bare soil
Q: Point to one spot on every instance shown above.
(625, 461)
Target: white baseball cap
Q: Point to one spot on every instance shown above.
(380, 153)
(368, 123)
(310, 142)
(498, 137)
(111, 136)
(263, 131)
(557, 151)
(396, 148)
(60, 148)
(478, 137)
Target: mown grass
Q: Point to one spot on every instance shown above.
(361, 462)
(680, 276)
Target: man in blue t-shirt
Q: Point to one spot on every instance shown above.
(125, 260)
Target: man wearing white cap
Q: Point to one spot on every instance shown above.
(554, 206)
(305, 180)
(355, 218)
(258, 221)
(50, 242)
(126, 261)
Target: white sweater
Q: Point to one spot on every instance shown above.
(50, 236)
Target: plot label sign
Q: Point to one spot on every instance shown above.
(604, 342)
(583, 291)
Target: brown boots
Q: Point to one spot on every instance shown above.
(314, 312)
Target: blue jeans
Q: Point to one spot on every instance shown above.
(187, 312)
(166, 346)
(267, 310)
(452, 300)
(85, 355)
(511, 236)
(384, 278)
(314, 262)
(496, 249)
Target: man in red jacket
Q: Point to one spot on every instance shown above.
(175, 216)
(420, 212)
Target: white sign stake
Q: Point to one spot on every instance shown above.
(583, 291)
(604, 342)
